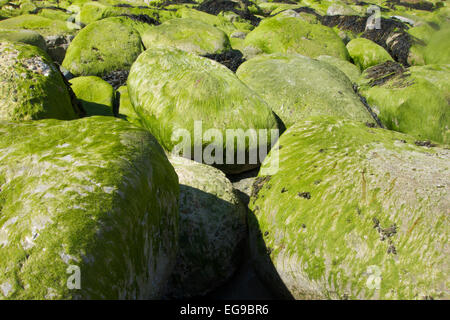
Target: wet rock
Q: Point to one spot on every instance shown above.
(211, 94)
(375, 208)
(88, 196)
(32, 87)
(296, 87)
(212, 229)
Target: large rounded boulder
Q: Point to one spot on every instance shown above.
(353, 213)
(197, 106)
(366, 53)
(24, 36)
(32, 87)
(89, 210)
(105, 46)
(438, 48)
(408, 102)
(189, 35)
(296, 87)
(212, 230)
(294, 35)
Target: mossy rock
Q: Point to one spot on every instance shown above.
(126, 109)
(102, 47)
(95, 11)
(366, 53)
(189, 35)
(212, 229)
(31, 85)
(293, 35)
(24, 36)
(408, 104)
(438, 49)
(96, 195)
(45, 26)
(351, 71)
(54, 14)
(352, 213)
(437, 74)
(216, 21)
(340, 9)
(296, 87)
(95, 94)
(173, 90)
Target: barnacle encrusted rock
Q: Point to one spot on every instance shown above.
(212, 229)
(95, 94)
(296, 87)
(353, 213)
(96, 195)
(173, 92)
(31, 86)
(407, 102)
(293, 35)
(189, 35)
(102, 47)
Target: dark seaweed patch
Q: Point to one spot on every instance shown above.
(240, 8)
(232, 59)
(392, 36)
(305, 195)
(386, 233)
(382, 73)
(422, 5)
(170, 2)
(258, 184)
(142, 18)
(355, 24)
(37, 10)
(426, 143)
(116, 78)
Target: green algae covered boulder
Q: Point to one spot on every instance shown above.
(31, 86)
(45, 26)
(353, 213)
(95, 94)
(89, 210)
(126, 109)
(438, 49)
(212, 229)
(24, 36)
(296, 87)
(406, 102)
(293, 35)
(351, 71)
(95, 11)
(437, 74)
(366, 53)
(189, 35)
(217, 21)
(102, 47)
(180, 96)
